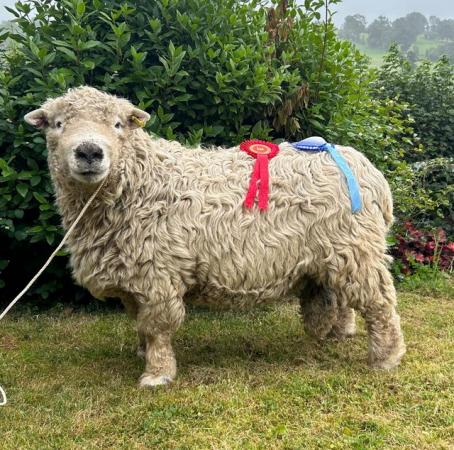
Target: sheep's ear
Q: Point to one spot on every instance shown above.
(38, 118)
(138, 118)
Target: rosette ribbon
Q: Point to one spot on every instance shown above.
(318, 144)
(262, 151)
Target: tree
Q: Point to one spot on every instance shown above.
(379, 33)
(418, 21)
(353, 27)
(445, 29)
(434, 22)
(404, 33)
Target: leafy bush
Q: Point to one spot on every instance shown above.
(415, 247)
(428, 93)
(428, 90)
(211, 71)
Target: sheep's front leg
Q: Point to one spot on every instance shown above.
(132, 308)
(157, 324)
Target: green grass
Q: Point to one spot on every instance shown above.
(247, 380)
(423, 44)
(376, 55)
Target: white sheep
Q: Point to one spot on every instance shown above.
(169, 220)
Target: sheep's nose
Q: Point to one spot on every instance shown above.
(89, 153)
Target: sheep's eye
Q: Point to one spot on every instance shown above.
(58, 124)
(118, 125)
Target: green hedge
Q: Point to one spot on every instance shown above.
(428, 91)
(210, 71)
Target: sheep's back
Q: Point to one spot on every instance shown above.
(307, 223)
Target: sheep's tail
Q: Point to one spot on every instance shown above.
(387, 210)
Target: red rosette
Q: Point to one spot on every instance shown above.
(262, 151)
(255, 147)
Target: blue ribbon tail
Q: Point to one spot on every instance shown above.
(353, 187)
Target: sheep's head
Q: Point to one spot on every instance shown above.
(85, 131)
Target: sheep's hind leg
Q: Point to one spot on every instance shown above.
(318, 308)
(386, 342)
(323, 316)
(370, 290)
(157, 324)
(345, 324)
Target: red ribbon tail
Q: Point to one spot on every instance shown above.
(251, 193)
(262, 160)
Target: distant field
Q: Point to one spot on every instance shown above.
(423, 45)
(376, 55)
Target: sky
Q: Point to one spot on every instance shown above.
(369, 8)
(392, 9)
(4, 14)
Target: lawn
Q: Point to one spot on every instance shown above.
(247, 380)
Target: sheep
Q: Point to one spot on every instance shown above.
(170, 221)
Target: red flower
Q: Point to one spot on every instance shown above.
(419, 257)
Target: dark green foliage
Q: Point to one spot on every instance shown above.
(210, 71)
(428, 91)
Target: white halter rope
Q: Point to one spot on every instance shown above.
(52, 256)
(3, 399)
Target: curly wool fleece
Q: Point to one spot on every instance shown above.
(170, 220)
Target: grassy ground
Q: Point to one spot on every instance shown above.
(376, 55)
(246, 380)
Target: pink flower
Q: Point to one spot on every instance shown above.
(441, 235)
(419, 257)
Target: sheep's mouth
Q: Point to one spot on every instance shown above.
(89, 176)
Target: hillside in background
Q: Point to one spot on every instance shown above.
(418, 37)
(392, 9)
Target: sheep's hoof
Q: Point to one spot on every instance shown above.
(338, 334)
(390, 362)
(149, 381)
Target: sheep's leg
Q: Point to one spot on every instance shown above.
(345, 324)
(318, 309)
(158, 324)
(386, 342)
(132, 308)
(370, 290)
(160, 363)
